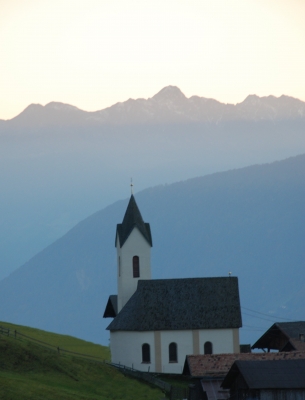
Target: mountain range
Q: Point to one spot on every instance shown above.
(249, 222)
(169, 105)
(60, 164)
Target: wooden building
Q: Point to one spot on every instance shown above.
(211, 369)
(283, 336)
(266, 380)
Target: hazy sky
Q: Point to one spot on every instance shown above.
(94, 53)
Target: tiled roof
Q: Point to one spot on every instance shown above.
(218, 365)
(180, 304)
(269, 374)
(132, 219)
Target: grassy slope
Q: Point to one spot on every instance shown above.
(29, 371)
(62, 341)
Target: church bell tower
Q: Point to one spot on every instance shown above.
(133, 242)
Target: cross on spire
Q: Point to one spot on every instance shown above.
(131, 186)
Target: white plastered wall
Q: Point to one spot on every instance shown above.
(135, 245)
(222, 340)
(126, 347)
(184, 341)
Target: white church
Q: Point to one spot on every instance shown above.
(158, 322)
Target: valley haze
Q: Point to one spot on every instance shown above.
(60, 164)
(249, 221)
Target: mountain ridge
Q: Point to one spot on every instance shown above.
(168, 105)
(57, 160)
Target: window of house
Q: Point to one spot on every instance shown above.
(172, 350)
(136, 267)
(208, 348)
(145, 353)
(119, 266)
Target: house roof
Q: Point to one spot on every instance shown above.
(111, 309)
(132, 219)
(279, 334)
(271, 374)
(218, 365)
(292, 329)
(294, 345)
(181, 304)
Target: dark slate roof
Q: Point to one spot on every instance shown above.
(132, 219)
(281, 374)
(111, 309)
(179, 304)
(271, 338)
(292, 329)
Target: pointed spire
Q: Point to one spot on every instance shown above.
(133, 219)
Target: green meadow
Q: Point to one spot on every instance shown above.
(30, 371)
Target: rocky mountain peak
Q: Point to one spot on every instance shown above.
(169, 92)
(252, 99)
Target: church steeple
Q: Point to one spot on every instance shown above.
(133, 242)
(132, 219)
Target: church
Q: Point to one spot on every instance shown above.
(157, 322)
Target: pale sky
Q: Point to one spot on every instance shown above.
(94, 53)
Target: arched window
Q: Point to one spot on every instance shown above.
(136, 267)
(172, 352)
(145, 353)
(208, 348)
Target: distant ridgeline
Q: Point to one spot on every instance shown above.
(167, 106)
(60, 164)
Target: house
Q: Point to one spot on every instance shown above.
(158, 322)
(216, 366)
(265, 380)
(211, 369)
(283, 336)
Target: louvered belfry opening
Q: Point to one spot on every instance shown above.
(146, 353)
(136, 267)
